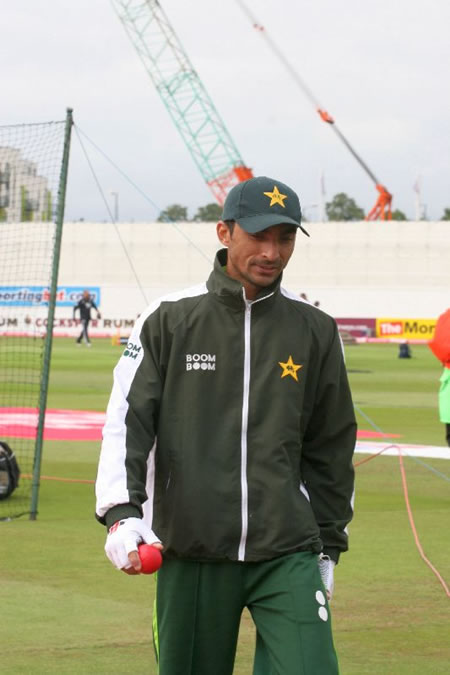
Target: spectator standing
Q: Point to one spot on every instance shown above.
(440, 346)
(84, 306)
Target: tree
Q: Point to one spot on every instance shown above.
(209, 213)
(398, 215)
(446, 215)
(173, 213)
(343, 207)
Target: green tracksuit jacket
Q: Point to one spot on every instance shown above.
(231, 426)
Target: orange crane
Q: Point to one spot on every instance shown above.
(382, 208)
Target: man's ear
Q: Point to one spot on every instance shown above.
(223, 233)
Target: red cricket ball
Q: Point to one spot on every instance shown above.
(151, 558)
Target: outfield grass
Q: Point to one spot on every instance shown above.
(399, 395)
(66, 610)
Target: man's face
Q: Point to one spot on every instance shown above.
(256, 260)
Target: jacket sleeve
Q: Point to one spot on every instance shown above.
(328, 447)
(130, 430)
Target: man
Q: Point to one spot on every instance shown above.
(84, 306)
(229, 440)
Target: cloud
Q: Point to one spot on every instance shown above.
(379, 70)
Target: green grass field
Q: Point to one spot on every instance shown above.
(65, 609)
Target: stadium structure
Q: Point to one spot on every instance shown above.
(24, 194)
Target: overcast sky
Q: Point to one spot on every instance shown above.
(380, 68)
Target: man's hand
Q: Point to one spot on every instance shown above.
(122, 543)
(326, 569)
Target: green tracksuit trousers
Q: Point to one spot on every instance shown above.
(198, 610)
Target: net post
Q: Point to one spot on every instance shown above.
(50, 316)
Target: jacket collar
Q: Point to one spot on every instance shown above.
(229, 290)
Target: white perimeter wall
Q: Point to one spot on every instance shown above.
(376, 269)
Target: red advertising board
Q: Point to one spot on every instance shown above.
(358, 328)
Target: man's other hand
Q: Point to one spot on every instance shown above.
(326, 569)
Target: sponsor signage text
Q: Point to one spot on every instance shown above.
(405, 329)
(37, 296)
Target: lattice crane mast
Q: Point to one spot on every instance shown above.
(382, 208)
(183, 94)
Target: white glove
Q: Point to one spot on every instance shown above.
(124, 537)
(326, 569)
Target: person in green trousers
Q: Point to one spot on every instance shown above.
(228, 444)
(444, 401)
(440, 346)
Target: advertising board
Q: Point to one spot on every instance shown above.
(405, 329)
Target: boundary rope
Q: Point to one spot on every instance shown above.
(61, 480)
(406, 498)
(356, 464)
(415, 459)
(413, 526)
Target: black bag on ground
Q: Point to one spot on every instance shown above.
(9, 471)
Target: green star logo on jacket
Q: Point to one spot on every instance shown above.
(276, 197)
(289, 368)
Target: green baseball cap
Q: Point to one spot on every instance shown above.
(260, 202)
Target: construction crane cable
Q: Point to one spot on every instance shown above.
(305, 89)
(385, 197)
(141, 192)
(262, 31)
(355, 154)
(122, 243)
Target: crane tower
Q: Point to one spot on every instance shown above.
(183, 94)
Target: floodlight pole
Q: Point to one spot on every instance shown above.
(116, 205)
(50, 316)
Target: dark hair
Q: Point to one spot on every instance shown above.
(230, 224)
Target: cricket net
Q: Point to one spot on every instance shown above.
(33, 172)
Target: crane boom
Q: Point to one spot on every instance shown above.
(382, 208)
(183, 94)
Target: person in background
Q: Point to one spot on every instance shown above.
(404, 350)
(444, 401)
(228, 442)
(84, 306)
(440, 346)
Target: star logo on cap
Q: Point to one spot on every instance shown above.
(289, 368)
(276, 197)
